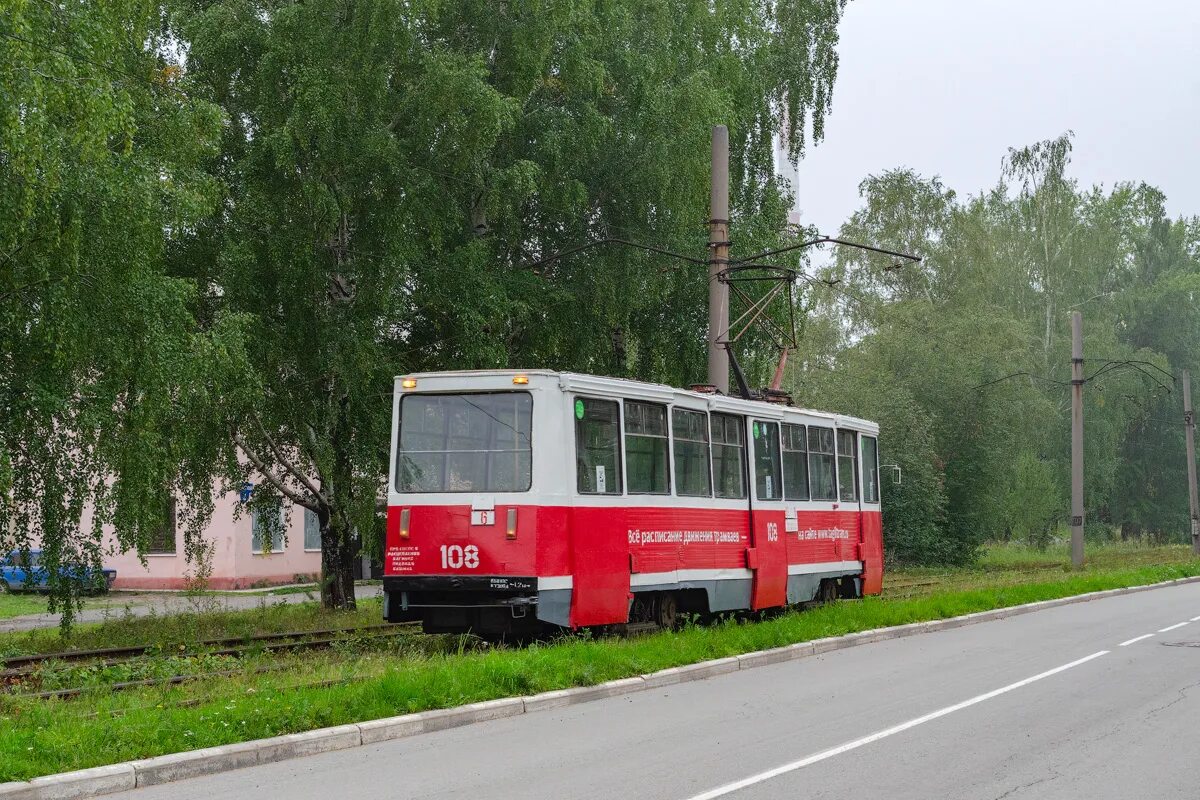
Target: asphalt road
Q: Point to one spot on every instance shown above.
(1045, 705)
(140, 604)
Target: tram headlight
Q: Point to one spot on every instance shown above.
(404, 515)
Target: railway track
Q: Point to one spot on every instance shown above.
(228, 646)
(19, 670)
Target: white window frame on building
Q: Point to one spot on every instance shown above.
(256, 544)
(312, 532)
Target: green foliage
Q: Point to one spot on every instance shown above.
(101, 147)
(1034, 494)
(225, 225)
(389, 169)
(972, 347)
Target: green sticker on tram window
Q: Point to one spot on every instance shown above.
(756, 430)
(578, 409)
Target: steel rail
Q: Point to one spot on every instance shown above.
(312, 644)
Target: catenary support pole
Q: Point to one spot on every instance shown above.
(1077, 440)
(718, 260)
(1189, 424)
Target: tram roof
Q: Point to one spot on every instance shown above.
(645, 390)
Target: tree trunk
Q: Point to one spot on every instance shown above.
(338, 546)
(337, 563)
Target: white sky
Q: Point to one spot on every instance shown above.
(947, 86)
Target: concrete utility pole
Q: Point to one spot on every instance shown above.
(718, 260)
(1077, 440)
(1189, 426)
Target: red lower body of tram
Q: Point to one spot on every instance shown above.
(524, 568)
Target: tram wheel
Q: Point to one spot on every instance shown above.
(666, 611)
(827, 592)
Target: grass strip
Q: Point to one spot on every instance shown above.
(173, 631)
(39, 738)
(18, 605)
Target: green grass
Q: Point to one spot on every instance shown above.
(1015, 555)
(1012, 564)
(16, 605)
(366, 680)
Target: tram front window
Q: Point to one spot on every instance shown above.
(465, 443)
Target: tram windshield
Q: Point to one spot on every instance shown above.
(465, 443)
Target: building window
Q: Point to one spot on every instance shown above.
(693, 476)
(646, 451)
(729, 464)
(766, 461)
(847, 465)
(267, 527)
(821, 473)
(597, 446)
(870, 458)
(795, 462)
(312, 530)
(162, 538)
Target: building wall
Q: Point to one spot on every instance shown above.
(234, 564)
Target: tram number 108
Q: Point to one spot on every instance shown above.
(458, 557)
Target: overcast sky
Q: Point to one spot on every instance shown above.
(947, 86)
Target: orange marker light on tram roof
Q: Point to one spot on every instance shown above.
(520, 380)
(408, 383)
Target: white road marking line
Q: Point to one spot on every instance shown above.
(729, 788)
(1194, 619)
(1172, 627)
(1135, 639)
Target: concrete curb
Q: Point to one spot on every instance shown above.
(178, 766)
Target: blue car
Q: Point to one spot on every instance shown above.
(25, 572)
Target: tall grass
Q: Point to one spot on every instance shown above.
(1019, 555)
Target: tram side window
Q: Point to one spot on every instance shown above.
(692, 475)
(646, 453)
(847, 465)
(820, 463)
(795, 462)
(729, 466)
(597, 446)
(870, 458)
(766, 461)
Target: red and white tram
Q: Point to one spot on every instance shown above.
(522, 500)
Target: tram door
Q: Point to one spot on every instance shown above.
(768, 550)
(849, 493)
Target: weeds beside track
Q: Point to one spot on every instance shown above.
(21, 671)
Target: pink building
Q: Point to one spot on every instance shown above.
(240, 558)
